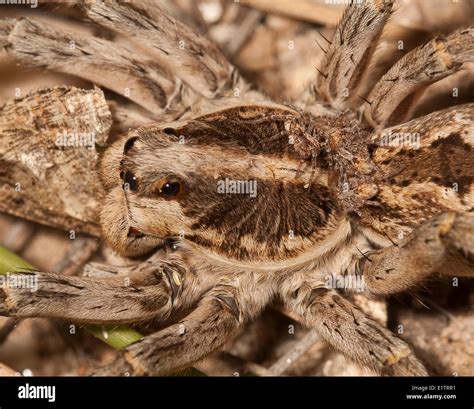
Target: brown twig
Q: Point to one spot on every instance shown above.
(237, 366)
(244, 32)
(302, 9)
(295, 352)
(77, 256)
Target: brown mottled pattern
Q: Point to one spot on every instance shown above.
(268, 218)
(419, 182)
(446, 162)
(46, 173)
(257, 129)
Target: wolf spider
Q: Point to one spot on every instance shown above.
(341, 191)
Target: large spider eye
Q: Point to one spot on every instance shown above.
(129, 144)
(130, 181)
(170, 189)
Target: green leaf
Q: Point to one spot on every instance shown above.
(11, 263)
(116, 337)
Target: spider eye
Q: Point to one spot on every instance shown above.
(129, 144)
(130, 182)
(170, 189)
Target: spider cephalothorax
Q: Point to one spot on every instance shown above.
(240, 188)
(254, 201)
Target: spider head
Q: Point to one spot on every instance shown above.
(216, 192)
